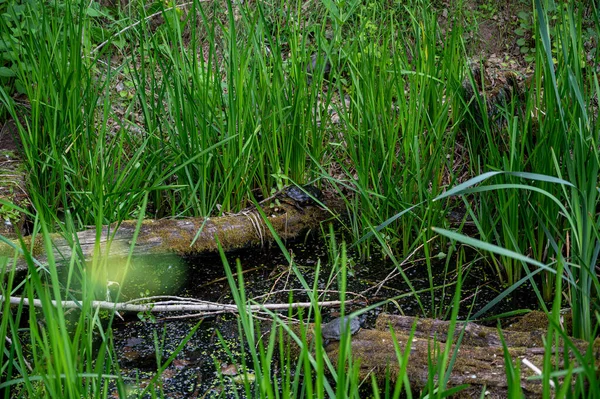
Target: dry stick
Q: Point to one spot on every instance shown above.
(194, 315)
(395, 272)
(320, 292)
(287, 273)
(171, 306)
(536, 370)
(9, 341)
(219, 279)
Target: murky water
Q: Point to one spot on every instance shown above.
(144, 346)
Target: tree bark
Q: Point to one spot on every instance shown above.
(479, 359)
(185, 236)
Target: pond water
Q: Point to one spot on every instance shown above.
(145, 342)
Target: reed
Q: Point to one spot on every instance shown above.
(204, 108)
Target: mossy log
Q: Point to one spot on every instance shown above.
(472, 334)
(479, 361)
(190, 236)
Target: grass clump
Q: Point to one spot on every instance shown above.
(201, 109)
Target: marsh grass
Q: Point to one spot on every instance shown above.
(399, 124)
(555, 135)
(58, 353)
(221, 111)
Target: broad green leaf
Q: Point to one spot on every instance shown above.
(6, 72)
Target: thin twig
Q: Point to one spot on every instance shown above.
(24, 360)
(176, 305)
(395, 272)
(536, 370)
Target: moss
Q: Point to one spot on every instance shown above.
(480, 360)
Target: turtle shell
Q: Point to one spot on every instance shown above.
(336, 327)
(301, 195)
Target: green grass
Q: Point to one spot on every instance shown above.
(205, 108)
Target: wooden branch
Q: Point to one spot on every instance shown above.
(479, 360)
(473, 335)
(156, 237)
(168, 236)
(172, 304)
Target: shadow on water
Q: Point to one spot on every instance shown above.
(144, 341)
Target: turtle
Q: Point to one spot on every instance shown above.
(300, 196)
(333, 330)
(318, 62)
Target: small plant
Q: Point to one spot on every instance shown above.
(526, 40)
(20, 20)
(488, 9)
(11, 214)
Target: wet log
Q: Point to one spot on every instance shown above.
(479, 361)
(472, 334)
(190, 236)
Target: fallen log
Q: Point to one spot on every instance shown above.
(190, 236)
(479, 359)
(472, 334)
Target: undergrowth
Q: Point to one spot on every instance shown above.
(156, 110)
